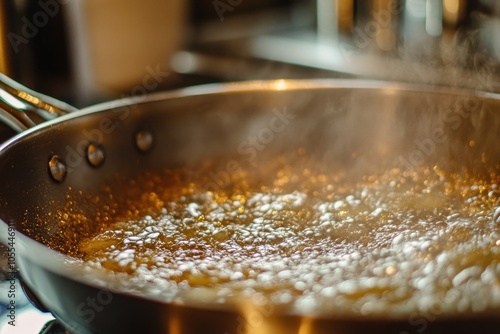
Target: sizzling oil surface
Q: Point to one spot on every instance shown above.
(395, 242)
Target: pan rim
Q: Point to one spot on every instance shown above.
(388, 87)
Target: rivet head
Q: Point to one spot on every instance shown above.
(144, 140)
(57, 168)
(95, 155)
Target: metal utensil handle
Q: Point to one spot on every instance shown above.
(22, 108)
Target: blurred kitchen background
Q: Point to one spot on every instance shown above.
(86, 51)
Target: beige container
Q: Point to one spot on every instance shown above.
(117, 45)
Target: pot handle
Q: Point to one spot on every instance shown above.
(22, 108)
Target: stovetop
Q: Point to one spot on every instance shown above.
(25, 318)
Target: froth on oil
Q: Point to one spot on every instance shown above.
(312, 242)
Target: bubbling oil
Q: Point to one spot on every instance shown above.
(313, 241)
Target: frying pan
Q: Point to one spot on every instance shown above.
(360, 125)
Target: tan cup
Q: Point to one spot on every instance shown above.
(116, 44)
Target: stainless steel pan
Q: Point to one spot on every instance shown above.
(361, 125)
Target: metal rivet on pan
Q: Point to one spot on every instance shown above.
(144, 140)
(95, 155)
(57, 168)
